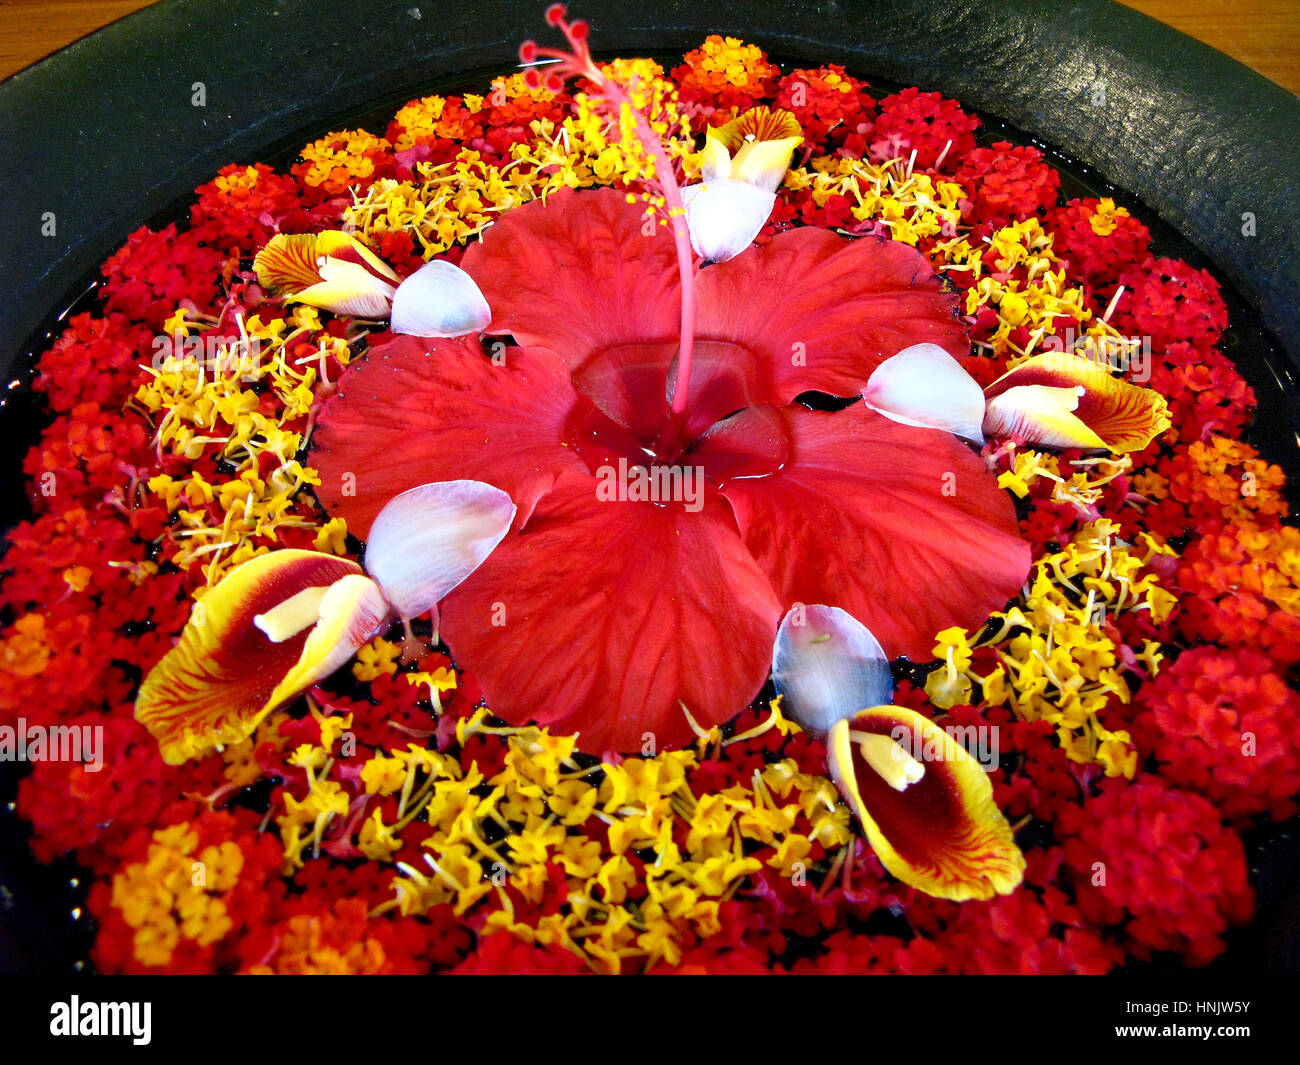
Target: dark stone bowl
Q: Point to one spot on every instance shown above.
(104, 136)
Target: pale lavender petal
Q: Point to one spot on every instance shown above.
(429, 539)
(827, 666)
(724, 216)
(439, 300)
(925, 386)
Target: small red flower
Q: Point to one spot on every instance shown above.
(1007, 182)
(1097, 241)
(1160, 863)
(1170, 302)
(926, 123)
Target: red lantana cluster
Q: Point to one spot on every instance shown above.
(1097, 241)
(93, 596)
(834, 108)
(925, 123)
(1008, 182)
(1172, 303)
(1158, 863)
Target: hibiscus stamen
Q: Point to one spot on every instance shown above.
(618, 102)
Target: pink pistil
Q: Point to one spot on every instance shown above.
(579, 63)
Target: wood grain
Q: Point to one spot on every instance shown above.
(1263, 34)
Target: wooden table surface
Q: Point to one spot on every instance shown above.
(1263, 34)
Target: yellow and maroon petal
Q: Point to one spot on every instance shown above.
(351, 611)
(216, 684)
(757, 124)
(925, 805)
(330, 270)
(1124, 416)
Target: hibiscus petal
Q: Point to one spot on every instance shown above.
(429, 539)
(925, 386)
(1040, 414)
(439, 300)
(827, 666)
(724, 216)
(903, 528)
(579, 273)
(617, 335)
(603, 617)
(419, 410)
(216, 684)
(1124, 416)
(925, 805)
(811, 311)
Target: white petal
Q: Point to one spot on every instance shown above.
(925, 386)
(724, 216)
(439, 300)
(429, 539)
(827, 666)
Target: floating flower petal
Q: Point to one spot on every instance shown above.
(1040, 414)
(827, 666)
(743, 165)
(925, 805)
(331, 270)
(439, 300)
(1123, 416)
(429, 539)
(758, 144)
(925, 386)
(226, 674)
(724, 216)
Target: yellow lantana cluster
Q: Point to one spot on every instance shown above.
(912, 205)
(1034, 303)
(451, 203)
(176, 893)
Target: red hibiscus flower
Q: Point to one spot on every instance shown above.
(607, 610)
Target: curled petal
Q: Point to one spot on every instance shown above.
(827, 666)
(925, 386)
(715, 160)
(1120, 415)
(760, 142)
(439, 300)
(1040, 414)
(348, 288)
(225, 673)
(925, 805)
(430, 538)
(332, 270)
(724, 216)
(350, 612)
